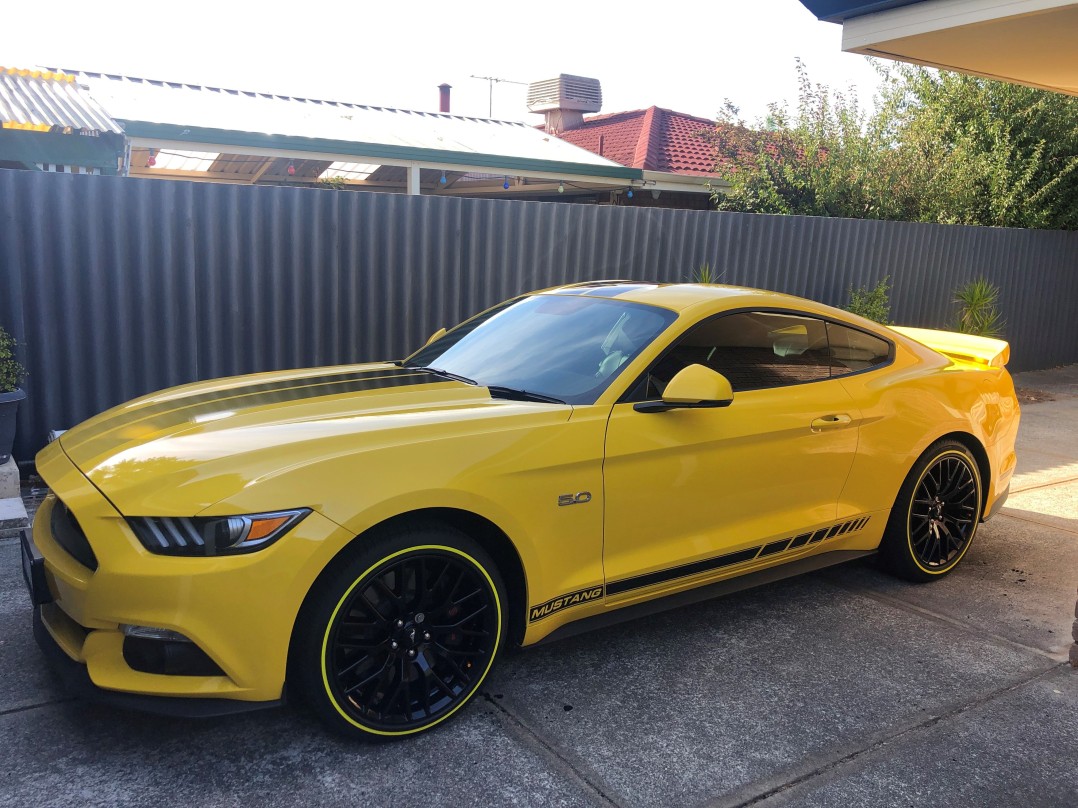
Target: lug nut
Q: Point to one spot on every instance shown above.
(411, 652)
(426, 635)
(400, 624)
(393, 645)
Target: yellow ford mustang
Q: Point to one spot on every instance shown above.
(374, 534)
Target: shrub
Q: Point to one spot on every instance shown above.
(978, 311)
(874, 303)
(11, 372)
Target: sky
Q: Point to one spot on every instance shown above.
(686, 56)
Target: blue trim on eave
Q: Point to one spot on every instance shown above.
(842, 10)
(497, 163)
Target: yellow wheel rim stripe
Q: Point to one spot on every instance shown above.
(348, 592)
(909, 512)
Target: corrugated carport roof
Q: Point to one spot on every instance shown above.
(197, 114)
(40, 100)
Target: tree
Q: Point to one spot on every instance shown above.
(937, 146)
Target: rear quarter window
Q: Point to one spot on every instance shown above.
(852, 350)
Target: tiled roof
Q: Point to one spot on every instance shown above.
(38, 101)
(653, 139)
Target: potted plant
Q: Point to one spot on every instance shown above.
(11, 374)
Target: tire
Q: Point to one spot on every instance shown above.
(935, 517)
(400, 633)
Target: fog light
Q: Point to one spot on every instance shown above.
(150, 633)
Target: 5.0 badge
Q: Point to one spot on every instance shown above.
(578, 498)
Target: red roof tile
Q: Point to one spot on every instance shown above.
(655, 139)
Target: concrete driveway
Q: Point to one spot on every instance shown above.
(840, 688)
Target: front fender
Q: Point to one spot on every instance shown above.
(513, 478)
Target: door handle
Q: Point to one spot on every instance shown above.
(835, 421)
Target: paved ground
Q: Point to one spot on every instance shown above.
(841, 688)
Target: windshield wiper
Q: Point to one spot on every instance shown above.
(521, 395)
(495, 390)
(438, 372)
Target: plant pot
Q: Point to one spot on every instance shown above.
(9, 403)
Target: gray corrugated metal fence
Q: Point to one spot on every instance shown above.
(116, 287)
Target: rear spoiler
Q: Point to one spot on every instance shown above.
(985, 351)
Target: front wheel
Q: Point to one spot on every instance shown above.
(935, 515)
(403, 634)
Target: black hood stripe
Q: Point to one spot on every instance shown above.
(254, 395)
(250, 400)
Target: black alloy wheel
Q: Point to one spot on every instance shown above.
(936, 514)
(941, 521)
(405, 635)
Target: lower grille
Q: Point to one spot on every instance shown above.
(68, 534)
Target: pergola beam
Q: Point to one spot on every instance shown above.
(262, 169)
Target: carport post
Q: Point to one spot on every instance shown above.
(413, 180)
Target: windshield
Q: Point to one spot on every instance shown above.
(565, 347)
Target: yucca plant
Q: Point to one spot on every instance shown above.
(978, 311)
(705, 274)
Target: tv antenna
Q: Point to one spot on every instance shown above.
(491, 81)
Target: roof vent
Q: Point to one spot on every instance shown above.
(565, 100)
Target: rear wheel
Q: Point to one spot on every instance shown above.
(403, 634)
(935, 517)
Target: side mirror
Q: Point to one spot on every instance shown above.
(694, 387)
(436, 335)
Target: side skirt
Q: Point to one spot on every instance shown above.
(697, 594)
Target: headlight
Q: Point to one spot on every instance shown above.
(213, 535)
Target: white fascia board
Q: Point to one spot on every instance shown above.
(665, 181)
(254, 151)
(935, 15)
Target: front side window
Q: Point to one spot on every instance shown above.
(566, 347)
(759, 349)
(754, 350)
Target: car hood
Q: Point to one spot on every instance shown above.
(179, 451)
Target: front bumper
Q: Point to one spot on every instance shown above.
(238, 610)
(77, 681)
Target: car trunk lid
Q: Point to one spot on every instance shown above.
(967, 348)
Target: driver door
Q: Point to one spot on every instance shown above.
(693, 492)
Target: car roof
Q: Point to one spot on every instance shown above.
(684, 296)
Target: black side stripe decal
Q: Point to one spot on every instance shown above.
(729, 559)
(684, 571)
(564, 601)
(775, 547)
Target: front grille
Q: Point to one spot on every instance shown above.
(68, 534)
